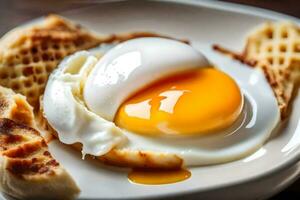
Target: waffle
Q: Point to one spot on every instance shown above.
(29, 54)
(27, 169)
(274, 47)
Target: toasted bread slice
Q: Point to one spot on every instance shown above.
(29, 54)
(274, 47)
(27, 169)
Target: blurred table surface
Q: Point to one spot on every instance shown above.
(14, 12)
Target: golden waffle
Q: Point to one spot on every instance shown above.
(27, 169)
(274, 47)
(29, 54)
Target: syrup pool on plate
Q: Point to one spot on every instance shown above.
(158, 177)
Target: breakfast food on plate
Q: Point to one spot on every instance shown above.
(27, 169)
(157, 103)
(29, 53)
(139, 100)
(274, 47)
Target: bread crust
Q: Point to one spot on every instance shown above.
(27, 168)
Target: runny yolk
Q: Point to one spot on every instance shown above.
(158, 177)
(196, 102)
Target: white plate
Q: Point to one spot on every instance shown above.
(204, 23)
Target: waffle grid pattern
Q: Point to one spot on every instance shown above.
(276, 48)
(28, 59)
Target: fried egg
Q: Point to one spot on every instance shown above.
(158, 95)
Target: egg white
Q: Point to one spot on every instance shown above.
(259, 116)
(133, 65)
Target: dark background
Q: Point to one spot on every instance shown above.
(290, 7)
(14, 12)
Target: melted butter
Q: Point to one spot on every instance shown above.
(158, 177)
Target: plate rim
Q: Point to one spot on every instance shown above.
(236, 8)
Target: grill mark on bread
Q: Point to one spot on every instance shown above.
(21, 167)
(25, 150)
(25, 158)
(46, 153)
(52, 163)
(7, 126)
(11, 139)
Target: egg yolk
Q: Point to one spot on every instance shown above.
(196, 102)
